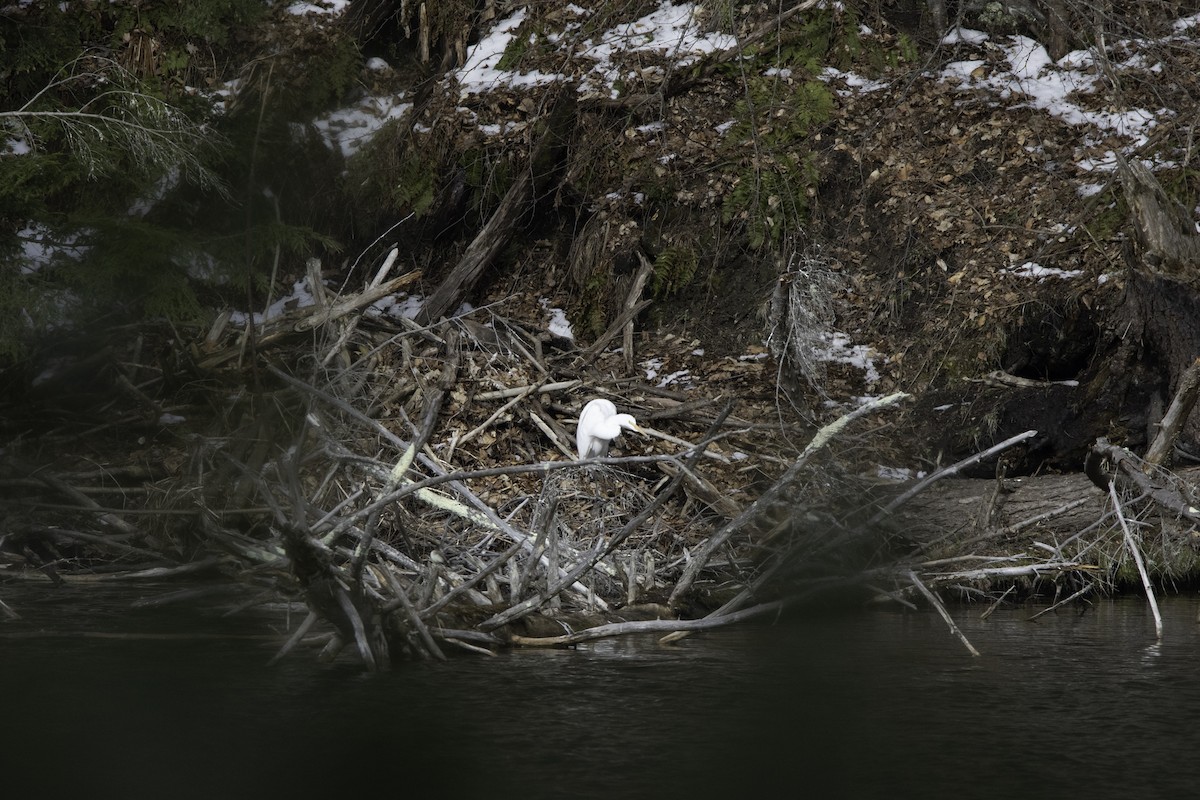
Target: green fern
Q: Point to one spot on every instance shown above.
(414, 185)
(771, 195)
(782, 105)
(674, 269)
(775, 118)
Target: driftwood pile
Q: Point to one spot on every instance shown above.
(416, 487)
(389, 513)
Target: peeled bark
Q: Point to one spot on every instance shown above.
(1166, 229)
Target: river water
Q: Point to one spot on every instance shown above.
(861, 704)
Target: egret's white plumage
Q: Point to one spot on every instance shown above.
(599, 424)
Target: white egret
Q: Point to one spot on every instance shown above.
(599, 424)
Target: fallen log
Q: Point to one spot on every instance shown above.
(289, 325)
(954, 509)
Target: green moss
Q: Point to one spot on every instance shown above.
(489, 176)
(904, 53)
(516, 49)
(1109, 216)
(595, 290)
(771, 197)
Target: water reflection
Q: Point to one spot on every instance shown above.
(854, 705)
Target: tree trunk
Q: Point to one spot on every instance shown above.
(529, 183)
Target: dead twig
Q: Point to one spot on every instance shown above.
(1163, 487)
(618, 325)
(1137, 560)
(522, 391)
(1177, 414)
(413, 617)
(651, 626)
(1086, 588)
(941, 609)
(287, 325)
(992, 608)
(823, 436)
(295, 638)
(634, 297)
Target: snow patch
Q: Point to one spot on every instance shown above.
(299, 297)
(401, 306)
(558, 324)
(678, 376)
(480, 73)
(41, 246)
(1048, 85)
(1031, 269)
(962, 35)
(855, 84)
(326, 7)
(673, 30)
(839, 350)
(347, 129)
(652, 366)
(898, 474)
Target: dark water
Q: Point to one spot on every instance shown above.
(849, 705)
